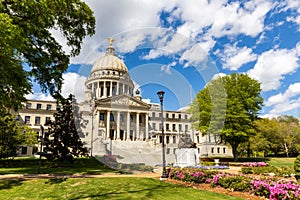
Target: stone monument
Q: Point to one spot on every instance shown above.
(186, 154)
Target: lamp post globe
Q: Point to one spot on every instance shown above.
(161, 99)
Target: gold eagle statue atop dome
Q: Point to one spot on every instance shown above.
(110, 40)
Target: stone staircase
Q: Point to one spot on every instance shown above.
(131, 152)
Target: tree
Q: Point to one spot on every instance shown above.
(13, 135)
(62, 141)
(28, 50)
(228, 107)
(268, 138)
(289, 129)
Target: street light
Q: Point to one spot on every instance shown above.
(161, 98)
(40, 140)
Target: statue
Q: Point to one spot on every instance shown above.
(110, 40)
(186, 142)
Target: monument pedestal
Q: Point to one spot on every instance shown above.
(186, 157)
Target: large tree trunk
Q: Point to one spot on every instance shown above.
(234, 152)
(286, 149)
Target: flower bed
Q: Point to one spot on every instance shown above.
(271, 188)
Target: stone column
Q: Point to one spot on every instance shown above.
(146, 126)
(117, 93)
(104, 89)
(108, 125)
(110, 88)
(128, 126)
(137, 129)
(118, 125)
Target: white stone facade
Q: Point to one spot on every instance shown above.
(113, 119)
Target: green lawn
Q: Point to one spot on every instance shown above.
(102, 188)
(30, 166)
(281, 162)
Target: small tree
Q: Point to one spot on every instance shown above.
(297, 167)
(13, 135)
(62, 141)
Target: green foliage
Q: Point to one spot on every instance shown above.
(277, 136)
(63, 141)
(26, 29)
(228, 107)
(235, 183)
(297, 165)
(13, 135)
(277, 171)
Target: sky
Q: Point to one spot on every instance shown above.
(179, 46)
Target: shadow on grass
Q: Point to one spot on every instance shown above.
(30, 166)
(8, 184)
(149, 191)
(55, 181)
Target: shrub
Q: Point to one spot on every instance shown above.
(297, 167)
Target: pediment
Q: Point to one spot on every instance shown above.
(123, 101)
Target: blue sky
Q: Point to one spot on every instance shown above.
(179, 46)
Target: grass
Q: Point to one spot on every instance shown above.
(282, 162)
(30, 166)
(102, 188)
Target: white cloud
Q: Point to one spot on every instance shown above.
(115, 17)
(234, 57)
(167, 68)
(73, 84)
(39, 96)
(193, 56)
(272, 66)
(285, 102)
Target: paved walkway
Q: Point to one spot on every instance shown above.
(155, 174)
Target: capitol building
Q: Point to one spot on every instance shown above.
(114, 119)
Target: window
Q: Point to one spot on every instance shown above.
(218, 150)
(160, 126)
(140, 119)
(39, 106)
(173, 116)
(167, 115)
(48, 107)
(27, 119)
(153, 114)
(185, 116)
(186, 127)
(168, 151)
(179, 116)
(121, 118)
(47, 120)
(58, 107)
(167, 139)
(28, 105)
(168, 126)
(112, 118)
(224, 150)
(37, 120)
(174, 139)
(159, 114)
(24, 150)
(154, 126)
(174, 127)
(212, 150)
(101, 116)
(180, 127)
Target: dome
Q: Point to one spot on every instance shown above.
(110, 62)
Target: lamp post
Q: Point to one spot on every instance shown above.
(40, 140)
(161, 98)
